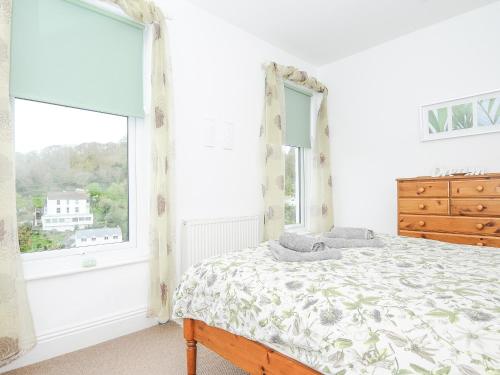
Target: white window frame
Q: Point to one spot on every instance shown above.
(137, 137)
(306, 167)
(57, 263)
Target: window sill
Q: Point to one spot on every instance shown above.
(297, 229)
(38, 268)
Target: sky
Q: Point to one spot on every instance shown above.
(39, 125)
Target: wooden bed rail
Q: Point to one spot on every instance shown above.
(248, 355)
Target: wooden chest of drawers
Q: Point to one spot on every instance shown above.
(458, 209)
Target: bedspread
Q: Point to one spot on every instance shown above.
(412, 307)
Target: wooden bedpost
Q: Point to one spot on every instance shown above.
(190, 346)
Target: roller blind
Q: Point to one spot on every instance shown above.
(70, 53)
(298, 117)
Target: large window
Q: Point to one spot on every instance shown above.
(72, 177)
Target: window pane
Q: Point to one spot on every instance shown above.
(292, 185)
(71, 177)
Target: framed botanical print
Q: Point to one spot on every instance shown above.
(472, 115)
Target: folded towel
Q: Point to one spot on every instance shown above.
(283, 254)
(301, 243)
(344, 243)
(346, 232)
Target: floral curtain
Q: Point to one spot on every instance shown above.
(16, 325)
(162, 225)
(272, 135)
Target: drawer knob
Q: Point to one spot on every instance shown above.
(421, 223)
(480, 226)
(480, 188)
(420, 190)
(421, 206)
(480, 207)
(480, 244)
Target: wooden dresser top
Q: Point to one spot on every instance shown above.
(455, 177)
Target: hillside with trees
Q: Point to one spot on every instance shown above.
(99, 169)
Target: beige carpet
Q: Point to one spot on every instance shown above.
(155, 351)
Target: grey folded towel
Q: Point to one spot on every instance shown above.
(283, 254)
(301, 243)
(353, 233)
(344, 243)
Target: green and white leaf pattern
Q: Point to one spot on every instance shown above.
(438, 120)
(489, 112)
(414, 307)
(462, 116)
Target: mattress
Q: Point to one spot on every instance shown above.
(413, 307)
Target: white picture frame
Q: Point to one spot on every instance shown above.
(471, 115)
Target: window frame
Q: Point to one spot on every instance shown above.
(135, 142)
(305, 159)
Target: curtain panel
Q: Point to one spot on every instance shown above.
(16, 325)
(162, 230)
(272, 135)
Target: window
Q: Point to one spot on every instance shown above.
(67, 154)
(293, 185)
(84, 240)
(106, 238)
(115, 237)
(297, 142)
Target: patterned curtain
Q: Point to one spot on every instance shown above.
(272, 135)
(16, 325)
(162, 225)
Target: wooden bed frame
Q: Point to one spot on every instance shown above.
(248, 355)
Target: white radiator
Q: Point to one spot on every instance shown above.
(202, 239)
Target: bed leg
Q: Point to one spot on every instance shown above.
(190, 346)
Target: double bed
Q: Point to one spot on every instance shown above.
(412, 307)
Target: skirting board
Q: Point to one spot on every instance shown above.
(68, 339)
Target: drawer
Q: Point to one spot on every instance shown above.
(424, 206)
(475, 207)
(412, 189)
(451, 224)
(455, 238)
(476, 188)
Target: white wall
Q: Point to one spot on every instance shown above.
(374, 101)
(217, 74)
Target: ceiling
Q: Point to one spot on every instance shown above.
(322, 31)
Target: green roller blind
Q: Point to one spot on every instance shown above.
(70, 53)
(298, 117)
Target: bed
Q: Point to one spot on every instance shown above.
(413, 307)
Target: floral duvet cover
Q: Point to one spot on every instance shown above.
(413, 307)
